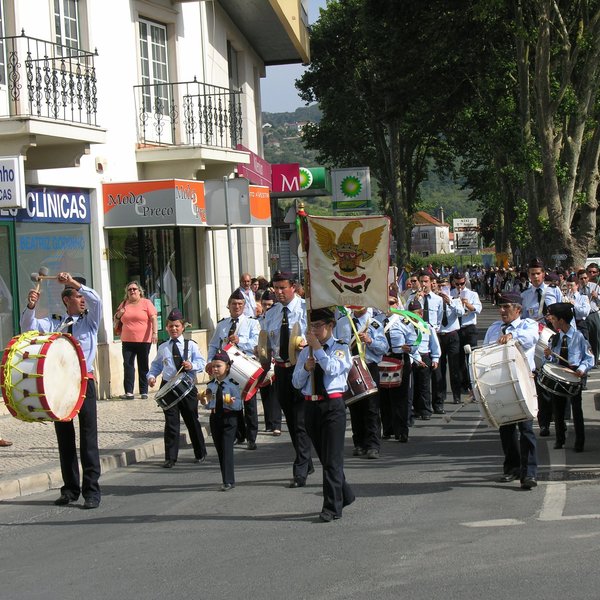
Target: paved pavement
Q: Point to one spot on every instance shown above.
(130, 431)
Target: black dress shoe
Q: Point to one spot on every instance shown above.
(168, 464)
(251, 446)
(200, 460)
(528, 483)
(508, 477)
(578, 448)
(297, 484)
(311, 470)
(544, 431)
(558, 445)
(425, 417)
(327, 517)
(439, 411)
(227, 486)
(403, 438)
(64, 499)
(91, 503)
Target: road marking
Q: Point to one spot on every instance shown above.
(494, 523)
(555, 499)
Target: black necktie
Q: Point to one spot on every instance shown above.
(445, 315)
(176, 355)
(70, 322)
(284, 335)
(319, 373)
(426, 308)
(564, 350)
(504, 328)
(219, 401)
(539, 297)
(232, 328)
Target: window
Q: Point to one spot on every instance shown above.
(2, 49)
(424, 235)
(232, 67)
(164, 261)
(154, 67)
(66, 22)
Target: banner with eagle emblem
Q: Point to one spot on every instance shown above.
(348, 261)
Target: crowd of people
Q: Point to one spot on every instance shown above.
(381, 368)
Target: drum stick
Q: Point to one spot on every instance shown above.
(448, 418)
(559, 357)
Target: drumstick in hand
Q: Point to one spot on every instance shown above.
(559, 357)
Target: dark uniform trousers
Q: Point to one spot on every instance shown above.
(292, 405)
(519, 449)
(560, 408)
(271, 408)
(593, 323)
(90, 455)
(396, 403)
(467, 336)
(223, 427)
(544, 415)
(422, 386)
(365, 419)
(188, 409)
(247, 428)
(326, 426)
(450, 345)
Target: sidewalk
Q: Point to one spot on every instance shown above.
(131, 431)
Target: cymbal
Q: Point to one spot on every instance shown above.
(264, 354)
(294, 344)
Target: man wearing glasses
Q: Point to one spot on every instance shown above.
(588, 286)
(468, 327)
(412, 289)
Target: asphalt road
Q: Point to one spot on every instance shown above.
(429, 521)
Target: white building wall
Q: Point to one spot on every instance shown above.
(197, 44)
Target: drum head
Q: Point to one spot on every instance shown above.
(561, 373)
(62, 377)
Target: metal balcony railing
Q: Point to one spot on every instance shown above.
(188, 113)
(47, 80)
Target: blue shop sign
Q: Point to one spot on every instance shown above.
(52, 205)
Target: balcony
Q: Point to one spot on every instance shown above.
(190, 123)
(48, 102)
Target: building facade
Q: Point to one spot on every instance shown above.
(430, 235)
(120, 110)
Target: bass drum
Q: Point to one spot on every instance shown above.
(502, 383)
(43, 376)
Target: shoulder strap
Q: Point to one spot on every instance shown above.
(185, 349)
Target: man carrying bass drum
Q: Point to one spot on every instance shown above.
(520, 452)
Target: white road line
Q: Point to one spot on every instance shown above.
(494, 523)
(555, 499)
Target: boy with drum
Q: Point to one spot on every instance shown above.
(223, 399)
(320, 375)
(174, 356)
(520, 454)
(568, 348)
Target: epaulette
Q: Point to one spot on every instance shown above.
(57, 317)
(341, 342)
(222, 319)
(375, 324)
(233, 381)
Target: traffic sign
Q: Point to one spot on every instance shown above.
(559, 256)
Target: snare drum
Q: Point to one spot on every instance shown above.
(390, 372)
(502, 383)
(175, 390)
(360, 382)
(245, 371)
(545, 334)
(559, 380)
(43, 376)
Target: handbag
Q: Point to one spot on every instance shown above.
(117, 325)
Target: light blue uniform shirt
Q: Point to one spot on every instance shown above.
(531, 307)
(454, 310)
(525, 331)
(436, 307)
(581, 305)
(250, 306)
(430, 343)
(163, 362)
(247, 330)
(272, 321)
(580, 355)
(85, 326)
(374, 351)
(399, 334)
(470, 316)
(229, 387)
(335, 362)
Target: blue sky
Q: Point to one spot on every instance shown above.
(278, 92)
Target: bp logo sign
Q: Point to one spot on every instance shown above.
(306, 178)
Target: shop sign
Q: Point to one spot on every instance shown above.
(351, 185)
(52, 205)
(157, 203)
(12, 182)
(285, 178)
(258, 170)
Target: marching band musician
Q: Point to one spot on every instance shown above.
(536, 299)
(520, 456)
(468, 333)
(428, 352)
(175, 355)
(223, 398)
(83, 313)
(271, 408)
(325, 409)
(396, 402)
(448, 334)
(580, 303)
(364, 414)
(278, 322)
(590, 288)
(242, 331)
(568, 348)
